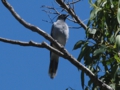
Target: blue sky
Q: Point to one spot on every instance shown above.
(26, 68)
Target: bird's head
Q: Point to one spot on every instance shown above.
(62, 16)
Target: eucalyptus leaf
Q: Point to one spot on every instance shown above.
(101, 50)
(91, 3)
(118, 15)
(94, 12)
(117, 58)
(87, 58)
(118, 42)
(97, 68)
(83, 52)
(112, 6)
(86, 88)
(90, 82)
(98, 2)
(108, 62)
(103, 4)
(112, 39)
(82, 79)
(118, 12)
(78, 44)
(92, 31)
(114, 71)
(113, 86)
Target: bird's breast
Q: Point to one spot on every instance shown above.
(61, 33)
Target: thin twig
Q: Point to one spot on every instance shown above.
(74, 27)
(30, 26)
(71, 12)
(73, 2)
(47, 21)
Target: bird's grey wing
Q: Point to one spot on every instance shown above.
(53, 59)
(51, 36)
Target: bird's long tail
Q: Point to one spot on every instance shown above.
(53, 66)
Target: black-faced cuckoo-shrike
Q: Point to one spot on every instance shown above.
(60, 32)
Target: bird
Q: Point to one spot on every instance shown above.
(59, 32)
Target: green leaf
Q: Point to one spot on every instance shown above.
(87, 57)
(91, 69)
(114, 71)
(90, 82)
(118, 13)
(108, 62)
(82, 79)
(83, 51)
(81, 54)
(117, 58)
(86, 88)
(101, 50)
(112, 6)
(112, 39)
(118, 42)
(94, 12)
(92, 4)
(97, 68)
(103, 4)
(98, 2)
(92, 31)
(113, 86)
(78, 44)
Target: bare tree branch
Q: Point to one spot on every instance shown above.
(57, 13)
(29, 26)
(72, 13)
(74, 27)
(73, 2)
(32, 43)
(64, 53)
(52, 8)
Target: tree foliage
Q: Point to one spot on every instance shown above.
(98, 51)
